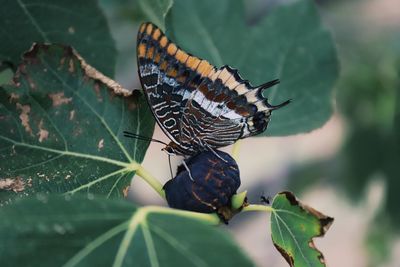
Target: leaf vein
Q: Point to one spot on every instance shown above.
(150, 246)
(134, 222)
(90, 247)
(68, 153)
(294, 239)
(196, 260)
(32, 19)
(97, 180)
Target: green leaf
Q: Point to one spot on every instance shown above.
(99, 232)
(62, 130)
(155, 10)
(290, 43)
(80, 24)
(5, 75)
(293, 226)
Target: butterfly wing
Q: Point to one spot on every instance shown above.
(226, 108)
(168, 76)
(194, 103)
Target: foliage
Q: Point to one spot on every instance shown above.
(81, 26)
(293, 225)
(63, 121)
(290, 44)
(62, 135)
(96, 231)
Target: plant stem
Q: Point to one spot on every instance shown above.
(151, 180)
(255, 207)
(235, 150)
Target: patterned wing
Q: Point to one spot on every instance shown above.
(168, 76)
(226, 108)
(197, 105)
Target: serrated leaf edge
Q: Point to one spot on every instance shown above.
(325, 223)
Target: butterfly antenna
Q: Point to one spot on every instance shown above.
(141, 137)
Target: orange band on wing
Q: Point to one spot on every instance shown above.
(171, 49)
(141, 50)
(150, 52)
(142, 28)
(181, 56)
(156, 34)
(149, 29)
(163, 41)
(204, 68)
(192, 62)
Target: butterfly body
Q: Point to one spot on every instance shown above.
(198, 106)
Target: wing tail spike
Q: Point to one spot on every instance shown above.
(261, 88)
(267, 85)
(274, 107)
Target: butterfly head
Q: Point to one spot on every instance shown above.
(174, 149)
(169, 150)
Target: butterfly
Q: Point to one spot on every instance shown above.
(198, 106)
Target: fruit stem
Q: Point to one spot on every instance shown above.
(238, 200)
(255, 207)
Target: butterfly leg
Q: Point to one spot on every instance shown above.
(215, 153)
(170, 167)
(188, 170)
